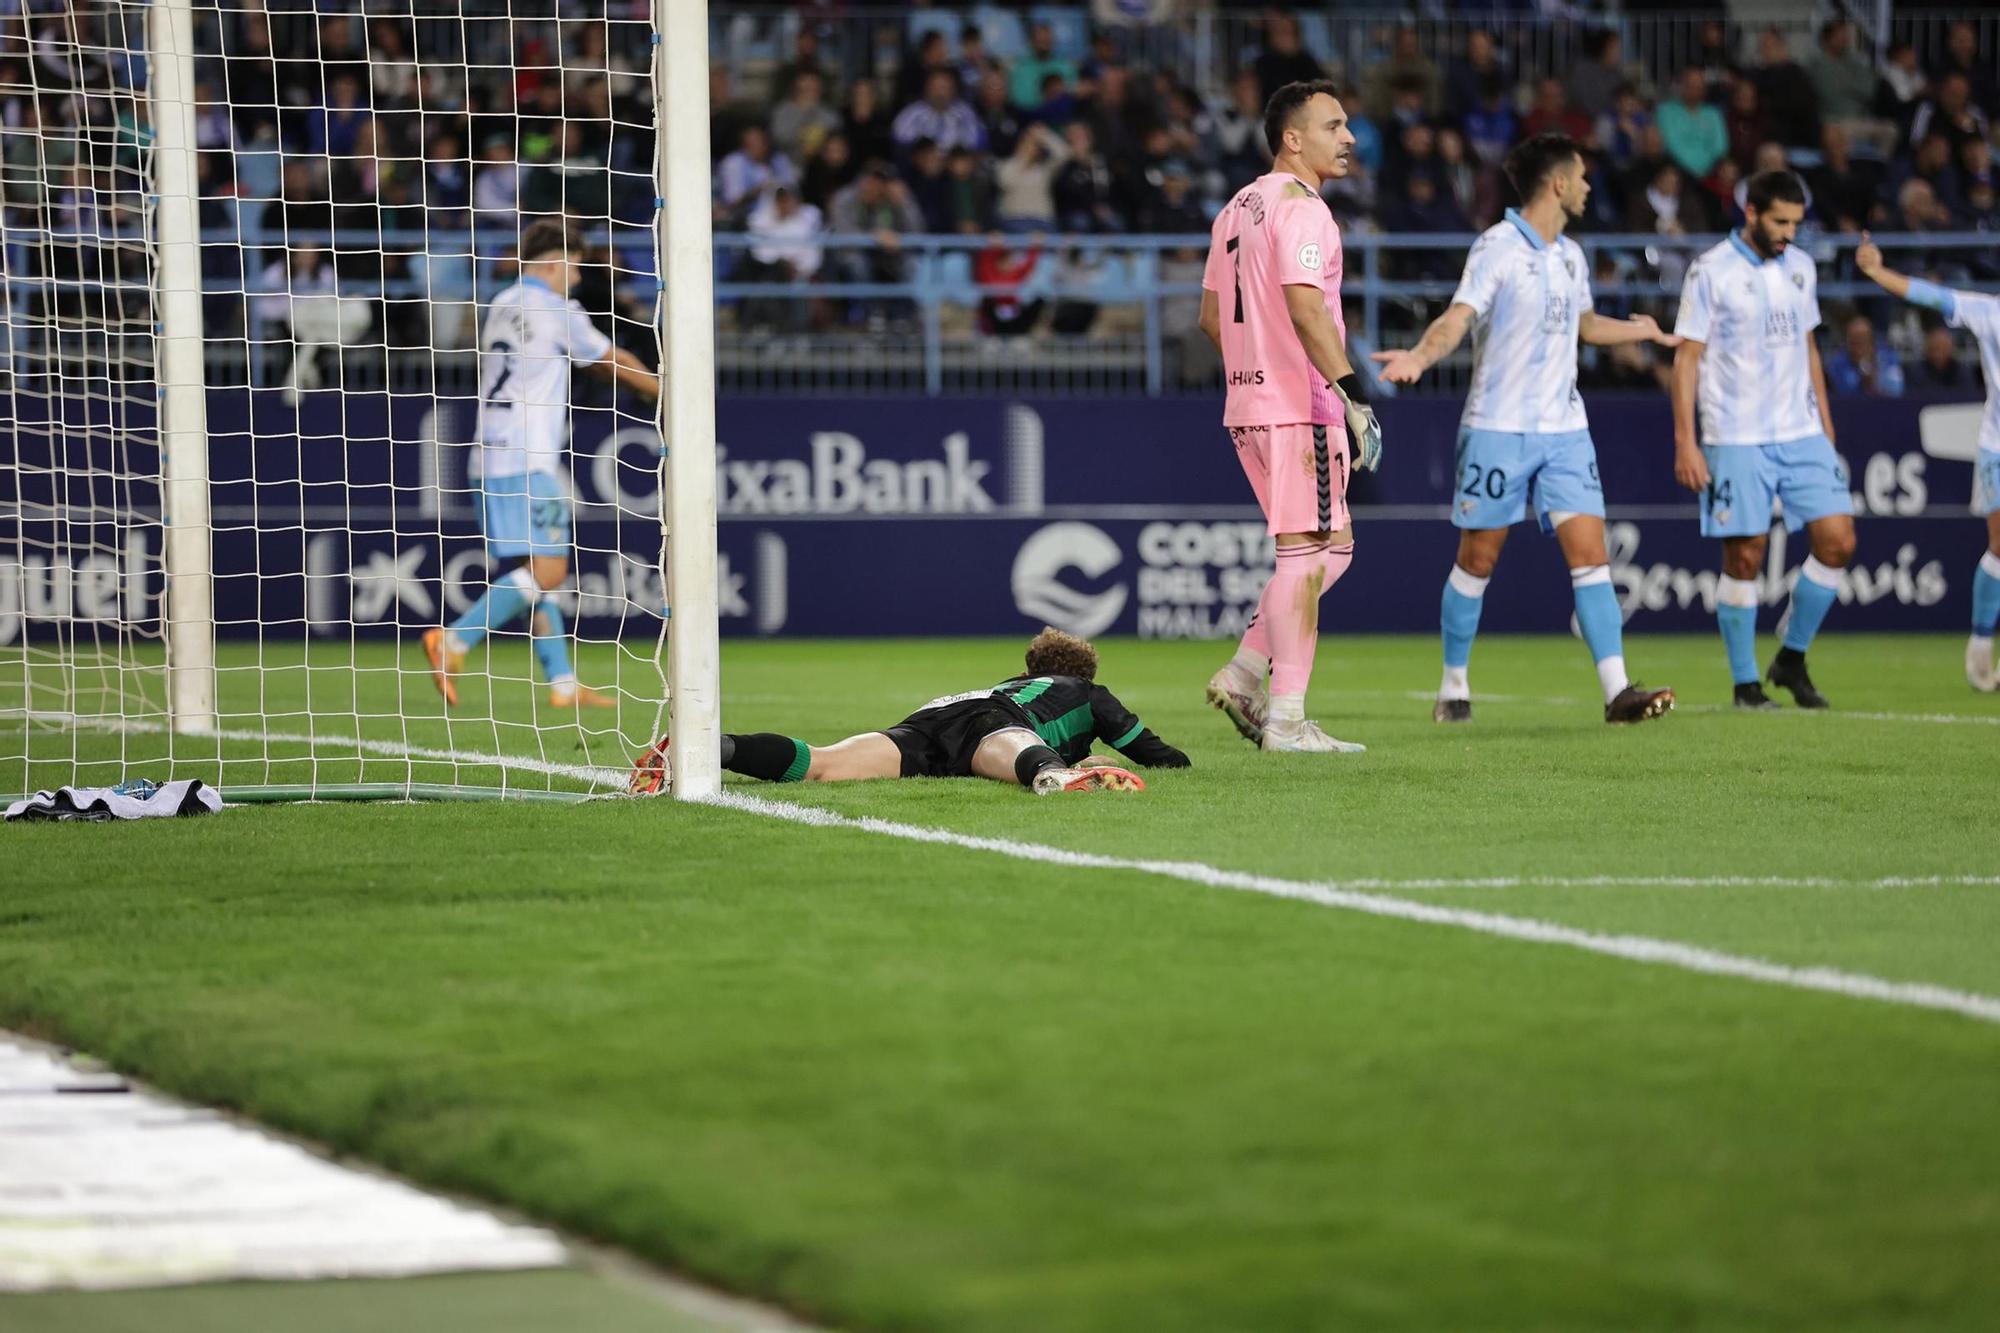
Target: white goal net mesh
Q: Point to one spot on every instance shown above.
(365, 176)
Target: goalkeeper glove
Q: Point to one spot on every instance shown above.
(1361, 423)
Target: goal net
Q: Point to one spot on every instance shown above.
(254, 452)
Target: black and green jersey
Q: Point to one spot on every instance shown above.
(1070, 714)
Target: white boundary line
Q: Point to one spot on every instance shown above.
(1632, 948)
(1957, 719)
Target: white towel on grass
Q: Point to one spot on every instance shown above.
(128, 800)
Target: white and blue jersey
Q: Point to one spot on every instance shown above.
(1754, 318)
(530, 339)
(1761, 432)
(1527, 298)
(1979, 315)
(1524, 430)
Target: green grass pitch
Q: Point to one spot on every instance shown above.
(898, 1086)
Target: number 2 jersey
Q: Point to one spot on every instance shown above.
(1276, 233)
(527, 345)
(1069, 715)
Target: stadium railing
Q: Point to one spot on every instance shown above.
(1135, 298)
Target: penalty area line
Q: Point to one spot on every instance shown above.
(1357, 898)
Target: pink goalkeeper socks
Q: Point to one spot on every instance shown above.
(1288, 614)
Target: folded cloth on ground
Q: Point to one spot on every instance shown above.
(139, 799)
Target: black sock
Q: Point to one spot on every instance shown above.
(767, 755)
(1788, 657)
(1032, 761)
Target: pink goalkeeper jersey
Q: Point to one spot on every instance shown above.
(1276, 232)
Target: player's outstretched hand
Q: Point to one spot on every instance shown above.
(1690, 468)
(1399, 367)
(1867, 257)
(1655, 333)
(1367, 434)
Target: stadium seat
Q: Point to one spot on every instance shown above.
(927, 21)
(1006, 36)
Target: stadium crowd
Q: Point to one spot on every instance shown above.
(415, 145)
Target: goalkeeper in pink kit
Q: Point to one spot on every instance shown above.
(1271, 303)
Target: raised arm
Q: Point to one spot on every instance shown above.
(1914, 290)
(1444, 335)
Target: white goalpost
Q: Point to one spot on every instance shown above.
(253, 458)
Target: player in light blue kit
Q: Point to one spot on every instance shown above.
(1526, 298)
(532, 335)
(1978, 314)
(1748, 310)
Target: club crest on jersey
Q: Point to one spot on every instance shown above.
(1799, 281)
(1309, 256)
(1570, 265)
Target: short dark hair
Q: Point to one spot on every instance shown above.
(1535, 159)
(1774, 187)
(1054, 653)
(546, 237)
(1286, 103)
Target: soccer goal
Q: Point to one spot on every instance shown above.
(313, 484)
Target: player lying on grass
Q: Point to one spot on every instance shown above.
(1035, 729)
(532, 335)
(1979, 314)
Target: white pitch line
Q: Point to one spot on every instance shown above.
(1632, 948)
(1675, 882)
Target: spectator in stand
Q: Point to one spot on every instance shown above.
(1464, 90)
(745, 174)
(975, 62)
(1471, 190)
(1594, 84)
(1975, 172)
(1903, 85)
(1939, 370)
(1026, 79)
(875, 205)
(913, 75)
(805, 60)
(1714, 52)
(1961, 56)
(1845, 192)
(1493, 127)
(1695, 135)
(1844, 81)
(1007, 309)
(786, 251)
(1666, 206)
(1950, 111)
(1239, 134)
(1621, 131)
(1425, 208)
(1749, 128)
(1407, 71)
(1171, 207)
(332, 129)
(1059, 106)
(923, 174)
(968, 205)
(1552, 112)
(1786, 92)
(997, 117)
(1082, 187)
(803, 119)
(1284, 58)
(1118, 119)
(831, 170)
(866, 124)
(1369, 147)
(1863, 364)
(940, 117)
(1027, 180)
(1414, 151)
(1934, 166)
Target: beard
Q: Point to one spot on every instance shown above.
(1768, 245)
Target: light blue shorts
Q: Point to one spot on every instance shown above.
(1743, 479)
(525, 515)
(1497, 469)
(1986, 483)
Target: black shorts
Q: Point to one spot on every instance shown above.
(940, 742)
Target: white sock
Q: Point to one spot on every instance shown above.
(1288, 708)
(454, 644)
(1255, 666)
(1983, 643)
(1456, 684)
(1611, 675)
